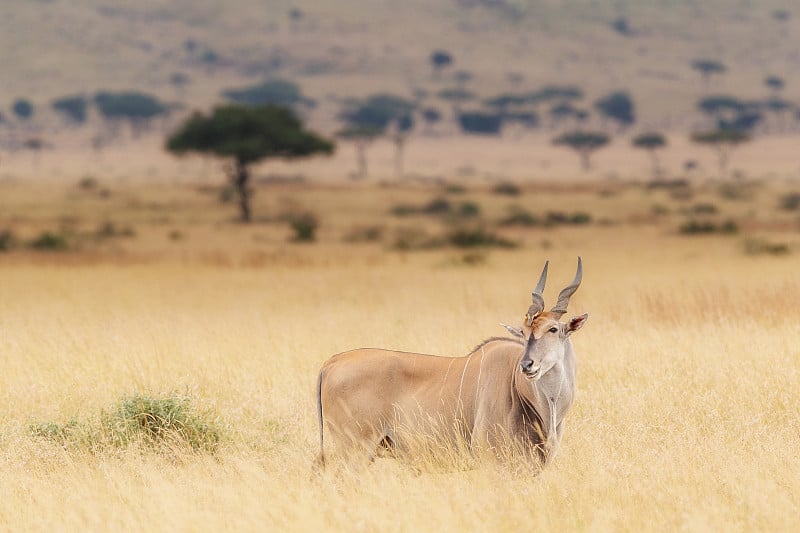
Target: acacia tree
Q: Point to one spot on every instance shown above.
(247, 134)
(365, 120)
(361, 136)
(707, 67)
(723, 141)
(440, 59)
(583, 142)
(651, 142)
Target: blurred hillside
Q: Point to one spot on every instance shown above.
(188, 51)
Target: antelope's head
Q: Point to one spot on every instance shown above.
(544, 335)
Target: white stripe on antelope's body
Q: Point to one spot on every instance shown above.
(517, 389)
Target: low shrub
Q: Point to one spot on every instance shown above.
(151, 422)
(158, 421)
(50, 241)
(518, 216)
(700, 227)
(7, 240)
(437, 206)
(364, 234)
(477, 237)
(469, 209)
(756, 246)
(507, 188)
(304, 226)
(790, 201)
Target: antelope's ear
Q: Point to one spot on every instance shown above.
(575, 323)
(517, 332)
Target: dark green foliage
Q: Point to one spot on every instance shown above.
(775, 83)
(529, 119)
(501, 102)
(790, 201)
(364, 133)
(377, 111)
(248, 134)
(50, 241)
(23, 109)
(365, 234)
(276, 92)
(719, 103)
(404, 210)
(707, 67)
(754, 246)
(179, 79)
(621, 26)
(7, 240)
(431, 115)
(554, 92)
(721, 137)
(477, 237)
(128, 105)
(159, 421)
(304, 226)
(440, 59)
(518, 216)
(617, 106)
(481, 123)
(583, 142)
(705, 227)
(649, 141)
(745, 121)
(469, 210)
(507, 188)
(72, 107)
(456, 95)
(437, 206)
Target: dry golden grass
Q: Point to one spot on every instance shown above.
(688, 385)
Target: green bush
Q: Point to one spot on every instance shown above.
(519, 216)
(50, 241)
(158, 421)
(507, 188)
(700, 227)
(437, 206)
(404, 210)
(7, 240)
(580, 218)
(469, 209)
(790, 201)
(477, 237)
(755, 246)
(305, 227)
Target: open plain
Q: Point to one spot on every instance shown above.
(688, 377)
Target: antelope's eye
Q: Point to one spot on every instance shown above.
(553, 330)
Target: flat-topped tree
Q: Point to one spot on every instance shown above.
(440, 59)
(723, 141)
(361, 136)
(617, 106)
(367, 119)
(708, 67)
(651, 142)
(72, 107)
(583, 142)
(247, 135)
(23, 109)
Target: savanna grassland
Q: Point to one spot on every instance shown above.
(688, 379)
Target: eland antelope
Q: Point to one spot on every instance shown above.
(507, 389)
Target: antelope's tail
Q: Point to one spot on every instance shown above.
(319, 463)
